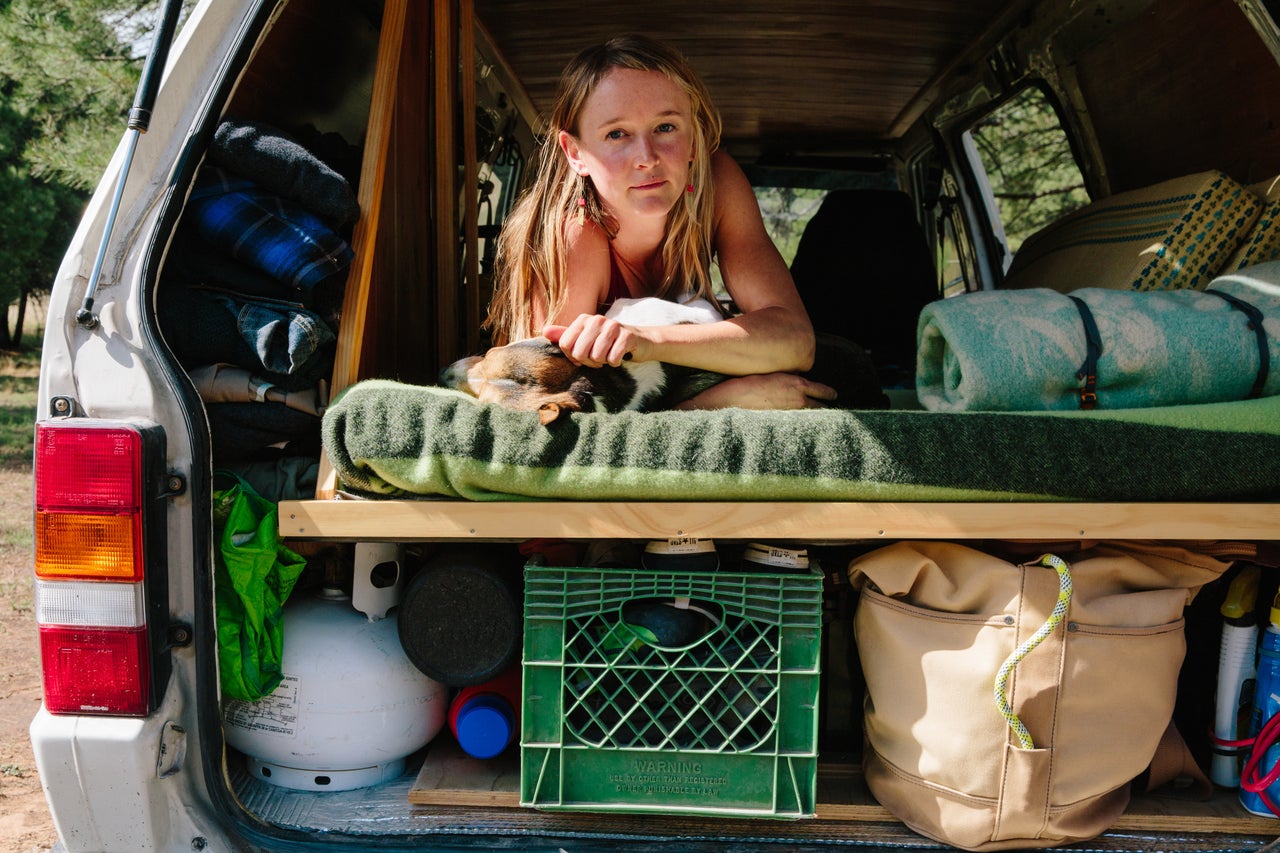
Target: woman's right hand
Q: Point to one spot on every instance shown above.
(593, 340)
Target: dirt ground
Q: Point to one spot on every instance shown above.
(25, 825)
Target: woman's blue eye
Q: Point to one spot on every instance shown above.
(613, 134)
(666, 127)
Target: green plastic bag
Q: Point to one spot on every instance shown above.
(253, 576)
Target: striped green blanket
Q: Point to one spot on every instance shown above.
(397, 440)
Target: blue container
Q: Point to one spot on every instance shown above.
(1266, 704)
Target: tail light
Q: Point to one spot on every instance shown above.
(97, 609)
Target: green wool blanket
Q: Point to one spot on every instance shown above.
(394, 440)
(1022, 350)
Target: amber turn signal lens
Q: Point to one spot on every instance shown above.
(90, 546)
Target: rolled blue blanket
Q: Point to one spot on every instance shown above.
(1028, 350)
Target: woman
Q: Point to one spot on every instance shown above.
(631, 199)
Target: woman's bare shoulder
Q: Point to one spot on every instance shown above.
(727, 174)
(587, 267)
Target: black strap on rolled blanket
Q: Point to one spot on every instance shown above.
(1260, 334)
(1088, 371)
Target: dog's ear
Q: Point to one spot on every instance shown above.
(561, 406)
(549, 413)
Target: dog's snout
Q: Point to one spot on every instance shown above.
(457, 374)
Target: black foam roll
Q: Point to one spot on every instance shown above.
(460, 616)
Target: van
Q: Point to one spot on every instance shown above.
(906, 155)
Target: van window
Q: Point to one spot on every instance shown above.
(1024, 154)
(786, 211)
(789, 198)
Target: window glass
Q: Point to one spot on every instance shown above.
(1029, 165)
(943, 224)
(952, 258)
(786, 211)
(499, 177)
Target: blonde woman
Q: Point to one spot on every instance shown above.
(631, 198)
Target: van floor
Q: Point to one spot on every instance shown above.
(386, 811)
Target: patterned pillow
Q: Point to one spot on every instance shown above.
(1262, 244)
(1175, 234)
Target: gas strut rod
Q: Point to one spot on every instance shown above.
(139, 121)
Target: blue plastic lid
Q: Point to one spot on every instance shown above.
(485, 725)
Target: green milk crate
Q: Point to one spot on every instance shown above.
(722, 720)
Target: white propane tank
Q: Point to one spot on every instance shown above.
(351, 706)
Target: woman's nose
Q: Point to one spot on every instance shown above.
(646, 153)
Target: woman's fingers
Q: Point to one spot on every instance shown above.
(593, 340)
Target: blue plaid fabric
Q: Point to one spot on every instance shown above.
(268, 233)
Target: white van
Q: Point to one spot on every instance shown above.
(906, 155)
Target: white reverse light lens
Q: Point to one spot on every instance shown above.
(99, 605)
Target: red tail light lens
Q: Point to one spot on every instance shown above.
(83, 468)
(91, 602)
(95, 670)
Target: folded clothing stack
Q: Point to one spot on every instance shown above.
(254, 282)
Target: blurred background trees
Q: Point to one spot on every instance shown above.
(68, 71)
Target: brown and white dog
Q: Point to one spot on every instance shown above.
(535, 375)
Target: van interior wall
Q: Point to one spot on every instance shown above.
(318, 68)
(1209, 90)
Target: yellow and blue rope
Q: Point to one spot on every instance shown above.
(1006, 669)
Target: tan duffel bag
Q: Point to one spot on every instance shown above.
(993, 722)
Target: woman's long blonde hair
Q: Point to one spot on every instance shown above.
(530, 258)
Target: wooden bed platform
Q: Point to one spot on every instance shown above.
(412, 520)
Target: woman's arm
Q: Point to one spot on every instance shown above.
(586, 275)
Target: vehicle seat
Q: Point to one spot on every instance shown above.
(864, 272)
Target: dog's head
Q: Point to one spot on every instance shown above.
(533, 375)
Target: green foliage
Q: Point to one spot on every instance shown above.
(68, 71)
(1032, 171)
(19, 376)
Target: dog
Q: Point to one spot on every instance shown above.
(535, 375)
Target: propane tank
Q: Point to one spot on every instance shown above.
(351, 706)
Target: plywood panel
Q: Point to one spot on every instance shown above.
(450, 778)
(807, 522)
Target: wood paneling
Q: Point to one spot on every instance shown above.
(846, 68)
(1174, 65)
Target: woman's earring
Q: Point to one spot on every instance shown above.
(582, 209)
(688, 188)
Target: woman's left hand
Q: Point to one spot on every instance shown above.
(593, 340)
(764, 391)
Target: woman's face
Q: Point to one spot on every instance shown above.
(635, 141)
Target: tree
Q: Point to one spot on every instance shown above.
(1029, 163)
(68, 71)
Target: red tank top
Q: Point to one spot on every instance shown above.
(617, 285)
